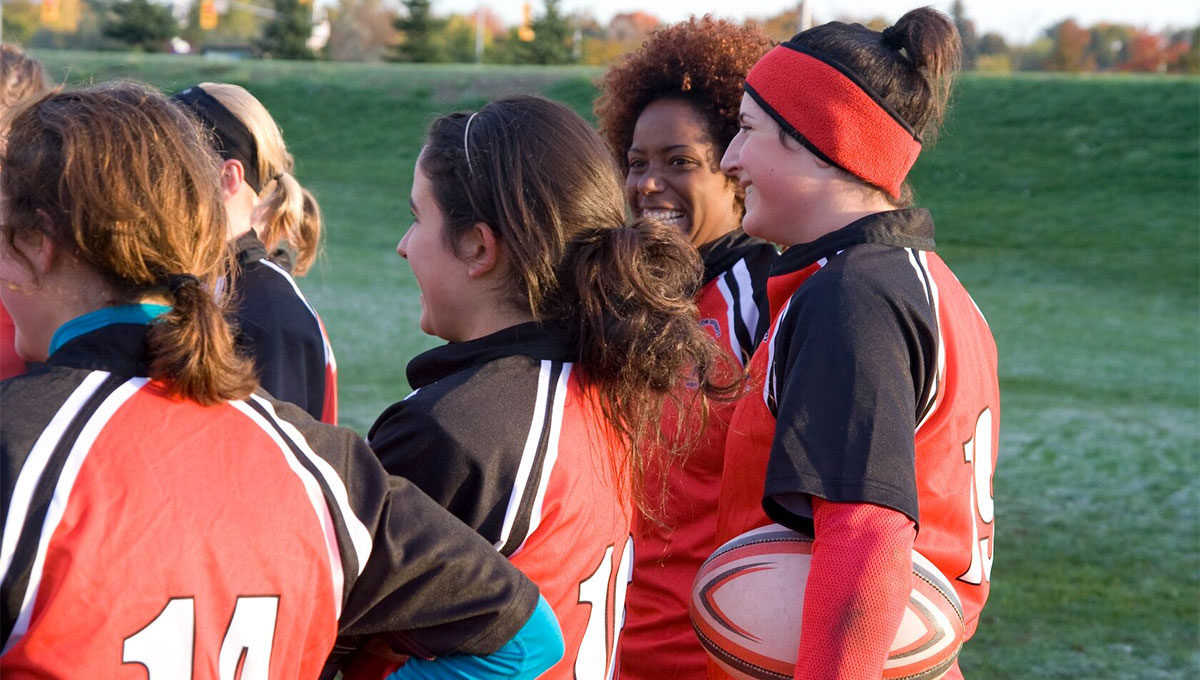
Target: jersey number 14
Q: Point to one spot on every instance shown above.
(166, 646)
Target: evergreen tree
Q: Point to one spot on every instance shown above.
(140, 23)
(419, 31)
(286, 36)
(966, 31)
(551, 42)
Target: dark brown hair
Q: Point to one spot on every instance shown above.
(910, 65)
(544, 182)
(700, 61)
(126, 181)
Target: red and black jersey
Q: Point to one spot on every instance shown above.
(275, 325)
(877, 384)
(147, 535)
(658, 642)
(506, 433)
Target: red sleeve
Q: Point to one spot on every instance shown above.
(858, 586)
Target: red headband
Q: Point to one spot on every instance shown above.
(835, 115)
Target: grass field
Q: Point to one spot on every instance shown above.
(1069, 206)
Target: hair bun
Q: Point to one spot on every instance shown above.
(892, 38)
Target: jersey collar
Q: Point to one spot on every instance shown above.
(908, 228)
(141, 314)
(541, 341)
(722, 253)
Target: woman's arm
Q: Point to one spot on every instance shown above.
(858, 586)
(533, 650)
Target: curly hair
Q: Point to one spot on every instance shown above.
(701, 60)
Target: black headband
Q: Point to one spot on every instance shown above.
(233, 139)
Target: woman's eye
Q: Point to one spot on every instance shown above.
(638, 164)
(682, 162)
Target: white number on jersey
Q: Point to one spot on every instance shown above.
(598, 649)
(978, 454)
(166, 645)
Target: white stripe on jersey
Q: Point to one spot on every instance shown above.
(329, 359)
(746, 292)
(313, 490)
(556, 418)
(745, 301)
(529, 454)
(62, 493)
(35, 465)
(770, 384)
(360, 536)
(922, 275)
(920, 262)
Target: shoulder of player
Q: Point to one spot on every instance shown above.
(496, 397)
(866, 271)
(30, 402)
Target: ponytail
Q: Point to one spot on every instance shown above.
(932, 47)
(629, 291)
(192, 347)
(289, 214)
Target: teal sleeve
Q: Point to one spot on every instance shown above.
(532, 651)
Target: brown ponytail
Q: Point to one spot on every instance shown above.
(630, 292)
(543, 180)
(190, 347)
(125, 180)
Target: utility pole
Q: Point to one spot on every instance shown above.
(479, 27)
(804, 18)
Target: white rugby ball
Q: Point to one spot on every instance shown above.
(748, 597)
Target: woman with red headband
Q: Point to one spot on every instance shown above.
(874, 405)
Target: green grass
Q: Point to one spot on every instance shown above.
(1069, 206)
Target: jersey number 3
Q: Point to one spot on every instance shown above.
(594, 660)
(166, 646)
(978, 454)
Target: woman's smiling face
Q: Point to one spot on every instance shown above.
(674, 174)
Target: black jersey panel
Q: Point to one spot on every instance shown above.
(852, 356)
(277, 329)
(460, 439)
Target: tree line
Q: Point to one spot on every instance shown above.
(373, 30)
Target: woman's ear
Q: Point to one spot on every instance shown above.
(38, 249)
(232, 176)
(481, 250)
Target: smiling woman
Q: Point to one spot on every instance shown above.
(668, 113)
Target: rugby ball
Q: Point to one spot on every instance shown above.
(748, 598)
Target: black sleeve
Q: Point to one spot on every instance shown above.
(849, 360)
(413, 443)
(429, 583)
(460, 440)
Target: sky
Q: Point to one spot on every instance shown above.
(1019, 21)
